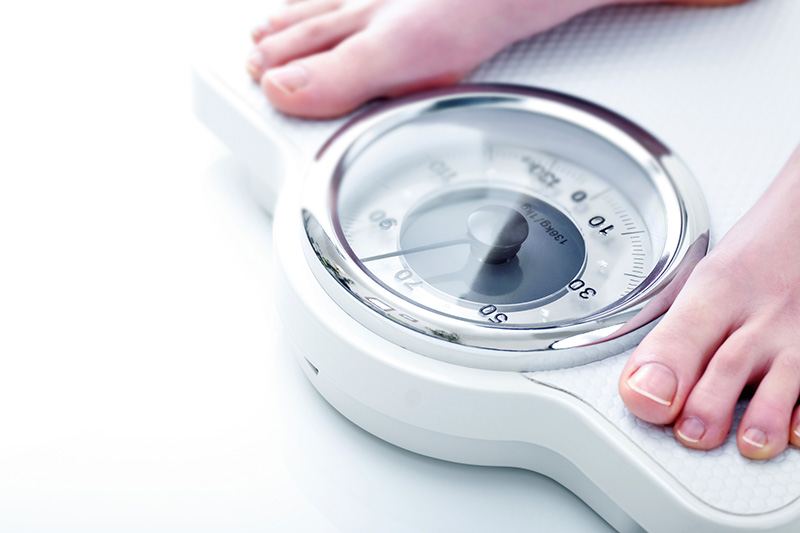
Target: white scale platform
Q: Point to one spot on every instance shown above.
(721, 88)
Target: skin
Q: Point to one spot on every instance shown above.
(711, 343)
(324, 58)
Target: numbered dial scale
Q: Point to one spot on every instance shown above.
(499, 227)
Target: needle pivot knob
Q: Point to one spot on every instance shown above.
(496, 233)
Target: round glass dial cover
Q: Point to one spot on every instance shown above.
(498, 218)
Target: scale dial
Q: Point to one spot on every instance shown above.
(510, 222)
(435, 237)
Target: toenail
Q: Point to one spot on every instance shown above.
(262, 30)
(797, 432)
(691, 430)
(255, 63)
(656, 382)
(289, 78)
(755, 437)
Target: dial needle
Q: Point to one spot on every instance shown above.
(417, 249)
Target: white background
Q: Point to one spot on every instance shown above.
(143, 380)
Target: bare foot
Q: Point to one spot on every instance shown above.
(332, 55)
(324, 58)
(735, 323)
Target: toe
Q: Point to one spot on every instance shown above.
(260, 31)
(292, 15)
(794, 429)
(304, 39)
(662, 371)
(765, 429)
(336, 82)
(707, 415)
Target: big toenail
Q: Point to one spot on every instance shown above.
(755, 437)
(691, 430)
(656, 382)
(289, 78)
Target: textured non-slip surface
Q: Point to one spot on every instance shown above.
(721, 87)
(722, 478)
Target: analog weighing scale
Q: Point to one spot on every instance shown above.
(463, 272)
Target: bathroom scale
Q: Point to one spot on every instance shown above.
(463, 272)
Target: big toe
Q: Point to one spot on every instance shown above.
(335, 82)
(649, 391)
(666, 366)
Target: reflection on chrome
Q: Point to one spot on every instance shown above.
(524, 224)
